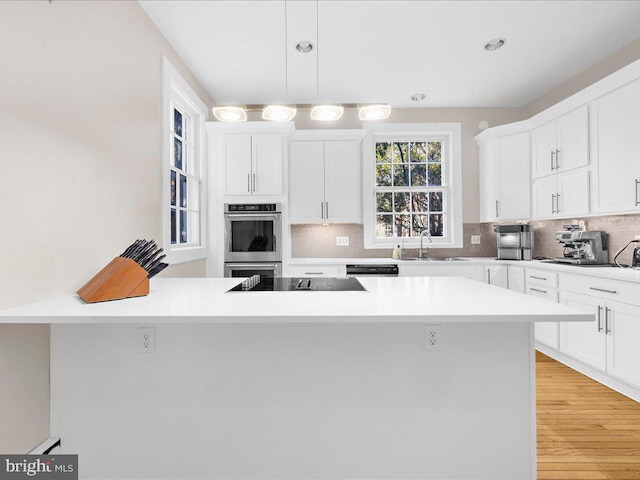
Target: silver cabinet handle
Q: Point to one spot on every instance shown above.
(557, 159)
(275, 243)
(326, 209)
(557, 203)
(599, 319)
(537, 290)
(254, 182)
(497, 215)
(537, 278)
(607, 329)
(248, 182)
(322, 209)
(553, 203)
(637, 200)
(602, 290)
(314, 273)
(489, 276)
(552, 153)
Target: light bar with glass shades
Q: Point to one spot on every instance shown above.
(374, 112)
(327, 113)
(230, 114)
(278, 113)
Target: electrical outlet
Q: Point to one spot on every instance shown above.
(342, 241)
(146, 340)
(432, 337)
(475, 239)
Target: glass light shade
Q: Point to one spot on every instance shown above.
(278, 113)
(374, 112)
(327, 113)
(230, 114)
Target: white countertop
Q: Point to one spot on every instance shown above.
(387, 300)
(614, 273)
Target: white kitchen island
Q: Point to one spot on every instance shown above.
(294, 385)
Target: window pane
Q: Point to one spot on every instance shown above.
(384, 227)
(177, 153)
(183, 191)
(402, 225)
(419, 175)
(400, 152)
(383, 152)
(418, 151)
(437, 225)
(177, 122)
(435, 152)
(401, 175)
(435, 201)
(435, 174)
(173, 226)
(383, 175)
(419, 224)
(383, 202)
(401, 202)
(173, 188)
(183, 226)
(419, 201)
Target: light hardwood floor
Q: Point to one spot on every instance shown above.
(586, 431)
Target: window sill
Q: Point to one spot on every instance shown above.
(185, 254)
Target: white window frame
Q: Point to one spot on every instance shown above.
(176, 91)
(452, 180)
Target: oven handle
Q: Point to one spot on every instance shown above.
(247, 266)
(245, 215)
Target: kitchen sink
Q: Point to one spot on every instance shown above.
(435, 259)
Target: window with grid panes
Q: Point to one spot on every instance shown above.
(410, 194)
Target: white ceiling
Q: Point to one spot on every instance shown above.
(243, 52)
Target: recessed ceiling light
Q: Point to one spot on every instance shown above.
(374, 112)
(278, 113)
(495, 44)
(418, 97)
(304, 47)
(230, 114)
(327, 113)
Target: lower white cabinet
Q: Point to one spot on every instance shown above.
(315, 270)
(610, 343)
(418, 269)
(544, 284)
(496, 275)
(516, 279)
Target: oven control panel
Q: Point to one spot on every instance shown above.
(252, 207)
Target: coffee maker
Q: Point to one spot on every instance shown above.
(515, 242)
(583, 248)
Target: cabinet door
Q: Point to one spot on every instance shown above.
(544, 197)
(543, 146)
(573, 194)
(342, 182)
(267, 164)
(584, 341)
(514, 201)
(616, 150)
(306, 182)
(516, 279)
(496, 275)
(573, 140)
(488, 181)
(237, 164)
(623, 354)
(545, 332)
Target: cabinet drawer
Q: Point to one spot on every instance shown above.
(315, 271)
(545, 293)
(625, 292)
(542, 278)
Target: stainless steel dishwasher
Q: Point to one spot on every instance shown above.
(372, 270)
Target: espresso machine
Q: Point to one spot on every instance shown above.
(583, 248)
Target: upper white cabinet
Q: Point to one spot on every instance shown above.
(252, 164)
(324, 181)
(616, 150)
(561, 196)
(562, 144)
(504, 178)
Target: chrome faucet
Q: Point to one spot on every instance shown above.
(424, 252)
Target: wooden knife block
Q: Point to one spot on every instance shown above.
(120, 278)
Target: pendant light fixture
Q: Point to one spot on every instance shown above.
(278, 113)
(374, 112)
(230, 114)
(327, 113)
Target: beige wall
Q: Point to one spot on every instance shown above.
(80, 129)
(615, 61)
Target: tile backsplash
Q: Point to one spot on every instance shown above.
(319, 241)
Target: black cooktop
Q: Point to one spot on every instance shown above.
(296, 284)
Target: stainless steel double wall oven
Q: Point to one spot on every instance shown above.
(252, 240)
